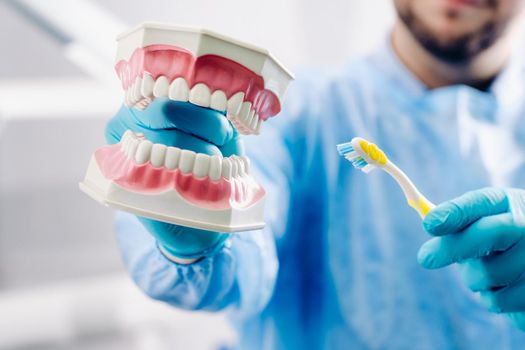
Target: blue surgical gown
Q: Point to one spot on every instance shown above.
(335, 267)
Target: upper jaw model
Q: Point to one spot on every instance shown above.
(176, 185)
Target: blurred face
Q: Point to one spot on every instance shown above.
(457, 30)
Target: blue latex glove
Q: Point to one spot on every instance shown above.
(483, 231)
(186, 126)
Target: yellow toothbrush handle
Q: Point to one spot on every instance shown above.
(423, 206)
(414, 198)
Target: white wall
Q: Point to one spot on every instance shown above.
(297, 31)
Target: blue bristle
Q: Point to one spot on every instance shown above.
(345, 148)
(360, 163)
(354, 156)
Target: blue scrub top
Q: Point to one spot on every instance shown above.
(335, 267)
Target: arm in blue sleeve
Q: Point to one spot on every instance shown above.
(242, 274)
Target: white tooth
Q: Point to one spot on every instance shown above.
(226, 168)
(125, 139)
(126, 98)
(258, 127)
(249, 120)
(218, 101)
(179, 90)
(147, 85)
(136, 90)
(253, 123)
(132, 147)
(200, 95)
(160, 89)
(235, 167)
(215, 168)
(124, 142)
(158, 152)
(126, 145)
(202, 165)
(246, 162)
(245, 111)
(172, 157)
(128, 134)
(240, 165)
(187, 158)
(143, 152)
(131, 99)
(130, 94)
(234, 104)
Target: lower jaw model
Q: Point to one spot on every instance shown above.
(176, 185)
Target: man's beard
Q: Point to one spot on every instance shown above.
(458, 51)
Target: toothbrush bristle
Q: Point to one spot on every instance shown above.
(347, 151)
(345, 148)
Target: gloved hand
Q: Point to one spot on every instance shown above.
(484, 232)
(187, 126)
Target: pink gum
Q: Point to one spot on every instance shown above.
(217, 72)
(203, 192)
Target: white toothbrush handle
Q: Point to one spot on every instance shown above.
(414, 198)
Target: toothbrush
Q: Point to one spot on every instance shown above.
(367, 156)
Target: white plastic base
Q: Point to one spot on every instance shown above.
(169, 206)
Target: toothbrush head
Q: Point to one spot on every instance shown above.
(363, 155)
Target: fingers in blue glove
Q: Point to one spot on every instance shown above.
(208, 124)
(496, 270)
(217, 128)
(489, 234)
(506, 299)
(454, 215)
(184, 242)
(517, 319)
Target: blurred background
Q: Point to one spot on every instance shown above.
(62, 285)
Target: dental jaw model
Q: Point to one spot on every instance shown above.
(176, 185)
